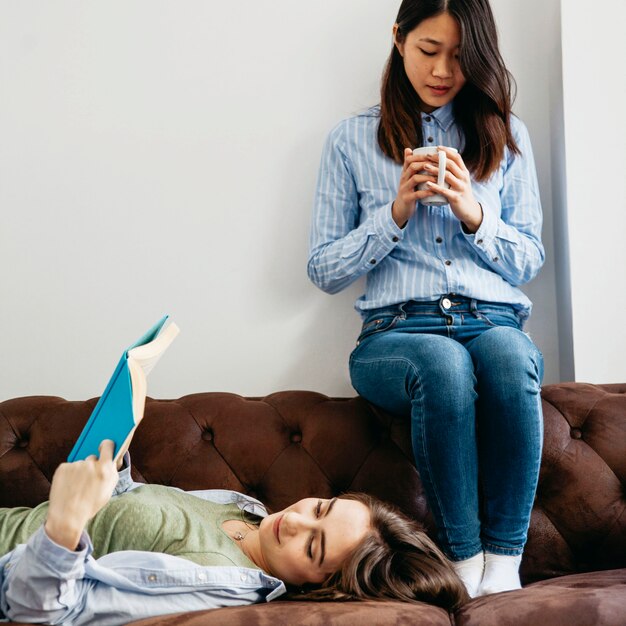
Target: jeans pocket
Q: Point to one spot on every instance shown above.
(496, 318)
(375, 326)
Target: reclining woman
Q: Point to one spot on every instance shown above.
(89, 557)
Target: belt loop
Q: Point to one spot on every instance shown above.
(474, 309)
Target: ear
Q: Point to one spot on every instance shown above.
(396, 43)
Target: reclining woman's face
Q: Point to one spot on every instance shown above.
(310, 540)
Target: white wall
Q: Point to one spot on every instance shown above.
(594, 89)
(161, 157)
(530, 47)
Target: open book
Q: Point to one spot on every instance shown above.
(121, 406)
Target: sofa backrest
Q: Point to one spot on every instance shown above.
(295, 444)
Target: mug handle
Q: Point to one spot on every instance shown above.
(441, 177)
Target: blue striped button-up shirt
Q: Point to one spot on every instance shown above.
(353, 232)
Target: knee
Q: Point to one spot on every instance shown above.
(507, 352)
(442, 367)
(442, 357)
(442, 383)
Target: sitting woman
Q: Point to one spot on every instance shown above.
(85, 557)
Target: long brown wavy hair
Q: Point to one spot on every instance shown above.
(483, 106)
(395, 561)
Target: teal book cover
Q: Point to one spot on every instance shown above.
(112, 417)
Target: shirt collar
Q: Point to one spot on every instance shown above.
(444, 116)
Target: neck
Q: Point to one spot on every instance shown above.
(251, 547)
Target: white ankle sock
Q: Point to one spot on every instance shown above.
(470, 571)
(501, 574)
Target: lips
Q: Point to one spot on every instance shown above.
(277, 523)
(439, 90)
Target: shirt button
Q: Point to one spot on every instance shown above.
(373, 261)
(243, 578)
(152, 578)
(201, 576)
(445, 303)
(495, 258)
(394, 239)
(430, 140)
(479, 241)
(427, 119)
(439, 240)
(448, 262)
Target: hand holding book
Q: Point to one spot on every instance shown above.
(79, 490)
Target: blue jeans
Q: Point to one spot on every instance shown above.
(470, 379)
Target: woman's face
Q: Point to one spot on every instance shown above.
(431, 60)
(310, 540)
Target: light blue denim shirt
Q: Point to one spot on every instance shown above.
(41, 581)
(354, 234)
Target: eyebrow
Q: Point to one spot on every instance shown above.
(323, 534)
(435, 42)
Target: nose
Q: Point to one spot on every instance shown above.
(294, 523)
(442, 67)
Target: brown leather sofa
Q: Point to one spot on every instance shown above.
(293, 444)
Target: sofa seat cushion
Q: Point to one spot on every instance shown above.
(575, 600)
(288, 613)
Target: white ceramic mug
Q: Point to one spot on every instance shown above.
(436, 199)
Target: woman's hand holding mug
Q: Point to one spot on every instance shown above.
(453, 185)
(413, 175)
(436, 176)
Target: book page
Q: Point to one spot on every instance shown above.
(139, 386)
(147, 355)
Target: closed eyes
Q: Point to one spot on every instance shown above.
(317, 511)
(432, 54)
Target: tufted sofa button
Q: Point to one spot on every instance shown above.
(207, 435)
(21, 443)
(296, 437)
(576, 433)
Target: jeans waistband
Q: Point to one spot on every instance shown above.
(448, 303)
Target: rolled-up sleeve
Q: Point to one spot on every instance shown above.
(124, 479)
(44, 582)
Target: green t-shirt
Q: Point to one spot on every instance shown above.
(151, 518)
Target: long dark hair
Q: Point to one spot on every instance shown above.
(483, 106)
(395, 561)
